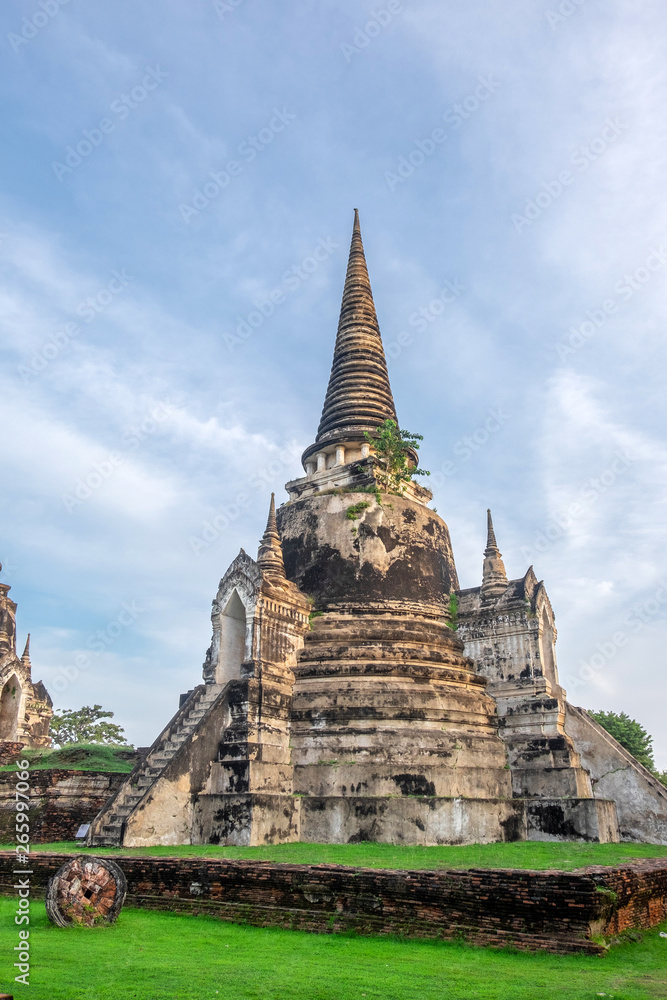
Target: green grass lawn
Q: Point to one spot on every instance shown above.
(527, 854)
(155, 956)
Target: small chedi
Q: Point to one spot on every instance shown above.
(25, 708)
(352, 691)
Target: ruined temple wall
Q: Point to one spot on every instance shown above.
(504, 645)
(552, 911)
(512, 641)
(60, 801)
(641, 800)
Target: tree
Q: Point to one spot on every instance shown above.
(630, 734)
(391, 446)
(86, 726)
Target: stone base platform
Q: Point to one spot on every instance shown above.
(255, 819)
(560, 912)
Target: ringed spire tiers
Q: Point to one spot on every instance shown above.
(358, 396)
(270, 555)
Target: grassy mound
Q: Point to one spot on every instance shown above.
(78, 757)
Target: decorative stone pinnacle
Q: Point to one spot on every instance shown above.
(26, 652)
(270, 555)
(358, 396)
(494, 576)
(490, 534)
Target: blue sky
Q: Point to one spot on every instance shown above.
(166, 167)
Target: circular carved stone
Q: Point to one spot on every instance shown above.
(87, 891)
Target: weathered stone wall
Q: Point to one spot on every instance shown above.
(415, 819)
(641, 801)
(385, 704)
(60, 801)
(511, 636)
(548, 911)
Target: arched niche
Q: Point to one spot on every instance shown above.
(232, 639)
(10, 701)
(548, 651)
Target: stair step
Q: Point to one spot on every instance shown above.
(111, 834)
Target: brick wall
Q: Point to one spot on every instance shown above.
(9, 752)
(641, 894)
(60, 801)
(550, 911)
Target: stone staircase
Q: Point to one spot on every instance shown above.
(108, 827)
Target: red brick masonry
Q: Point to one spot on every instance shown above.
(60, 801)
(534, 910)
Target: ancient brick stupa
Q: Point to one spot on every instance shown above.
(388, 715)
(342, 700)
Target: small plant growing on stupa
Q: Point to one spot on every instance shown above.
(353, 512)
(311, 618)
(453, 622)
(391, 447)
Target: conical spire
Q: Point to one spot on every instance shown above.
(494, 576)
(270, 555)
(359, 396)
(26, 652)
(490, 534)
